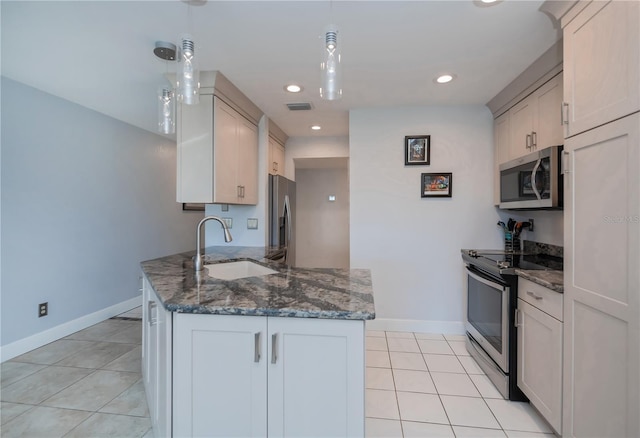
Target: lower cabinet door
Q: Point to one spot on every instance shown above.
(316, 377)
(540, 362)
(156, 360)
(219, 376)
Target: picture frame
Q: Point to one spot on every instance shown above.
(417, 150)
(192, 206)
(436, 185)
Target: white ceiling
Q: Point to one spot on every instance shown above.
(100, 54)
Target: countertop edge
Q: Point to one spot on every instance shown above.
(179, 290)
(550, 279)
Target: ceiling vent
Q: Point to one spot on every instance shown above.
(304, 106)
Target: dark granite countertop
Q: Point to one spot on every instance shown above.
(291, 292)
(551, 279)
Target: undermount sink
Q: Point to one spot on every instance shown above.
(236, 270)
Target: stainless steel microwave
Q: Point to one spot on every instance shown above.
(532, 182)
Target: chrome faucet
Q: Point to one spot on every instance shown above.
(199, 265)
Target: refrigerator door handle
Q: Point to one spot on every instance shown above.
(287, 213)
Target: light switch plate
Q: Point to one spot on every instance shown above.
(228, 221)
(252, 224)
(225, 207)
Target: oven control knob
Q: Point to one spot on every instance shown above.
(503, 265)
(473, 253)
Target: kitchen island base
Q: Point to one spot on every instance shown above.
(227, 375)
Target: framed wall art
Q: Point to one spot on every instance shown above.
(435, 185)
(417, 150)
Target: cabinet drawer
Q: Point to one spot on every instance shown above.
(540, 297)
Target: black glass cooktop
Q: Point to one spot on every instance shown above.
(506, 262)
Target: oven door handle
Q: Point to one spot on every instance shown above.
(492, 284)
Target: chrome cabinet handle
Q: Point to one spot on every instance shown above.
(565, 163)
(516, 321)
(564, 113)
(274, 348)
(534, 139)
(527, 142)
(150, 306)
(256, 347)
(537, 297)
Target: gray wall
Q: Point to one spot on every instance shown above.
(412, 244)
(85, 198)
(322, 227)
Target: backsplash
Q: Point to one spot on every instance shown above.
(530, 246)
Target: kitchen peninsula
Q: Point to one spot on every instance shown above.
(265, 355)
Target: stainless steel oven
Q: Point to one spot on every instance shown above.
(492, 293)
(488, 305)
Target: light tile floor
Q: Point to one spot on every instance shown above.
(85, 385)
(418, 385)
(427, 385)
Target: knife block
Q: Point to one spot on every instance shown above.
(511, 242)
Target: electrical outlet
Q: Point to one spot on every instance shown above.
(530, 224)
(43, 309)
(228, 221)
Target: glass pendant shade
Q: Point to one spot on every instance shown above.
(331, 69)
(166, 110)
(188, 75)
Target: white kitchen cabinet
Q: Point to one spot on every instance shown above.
(521, 117)
(501, 138)
(259, 376)
(217, 154)
(548, 120)
(220, 376)
(602, 281)
(540, 349)
(276, 158)
(316, 377)
(535, 121)
(156, 360)
(601, 64)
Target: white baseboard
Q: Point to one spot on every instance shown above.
(32, 342)
(415, 325)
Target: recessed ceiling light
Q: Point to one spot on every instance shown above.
(443, 79)
(488, 1)
(293, 88)
(316, 127)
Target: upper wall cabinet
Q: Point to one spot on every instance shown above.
(535, 121)
(276, 157)
(217, 144)
(277, 140)
(601, 64)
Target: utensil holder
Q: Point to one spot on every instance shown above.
(511, 242)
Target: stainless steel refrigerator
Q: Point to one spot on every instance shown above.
(282, 202)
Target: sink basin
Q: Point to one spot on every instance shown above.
(235, 270)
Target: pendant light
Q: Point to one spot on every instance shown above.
(330, 67)
(166, 95)
(188, 75)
